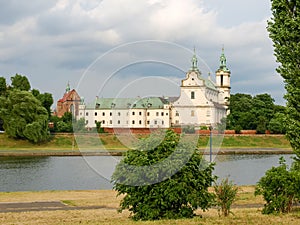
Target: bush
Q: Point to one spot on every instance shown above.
(168, 194)
(226, 193)
(279, 188)
(238, 129)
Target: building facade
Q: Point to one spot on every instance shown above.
(68, 103)
(201, 103)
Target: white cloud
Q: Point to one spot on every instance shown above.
(65, 36)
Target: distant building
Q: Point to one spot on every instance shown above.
(68, 103)
(201, 103)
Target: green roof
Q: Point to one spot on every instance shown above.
(129, 103)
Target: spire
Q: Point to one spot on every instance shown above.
(223, 61)
(194, 60)
(68, 87)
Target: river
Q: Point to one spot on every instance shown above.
(93, 172)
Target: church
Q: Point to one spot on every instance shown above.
(202, 102)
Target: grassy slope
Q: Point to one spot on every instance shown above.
(109, 214)
(68, 142)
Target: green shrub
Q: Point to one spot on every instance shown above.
(279, 188)
(168, 194)
(226, 193)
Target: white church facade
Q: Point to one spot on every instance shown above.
(202, 102)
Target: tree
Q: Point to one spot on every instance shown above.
(24, 116)
(2, 86)
(169, 193)
(277, 124)
(20, 82)
(284, 31)
(46, 99)
(279, 188)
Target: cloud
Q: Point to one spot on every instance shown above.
(59, 40)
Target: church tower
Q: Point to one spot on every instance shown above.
(223, 80)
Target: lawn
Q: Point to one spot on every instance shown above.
(109, 214)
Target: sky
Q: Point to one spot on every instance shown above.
(129, 48)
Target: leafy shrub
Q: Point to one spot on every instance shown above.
(226, 193)
(279, 188)
(238, 129)
(174, 195)
(188, 129)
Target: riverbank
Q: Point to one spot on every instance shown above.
(109, 144)
(100, 207)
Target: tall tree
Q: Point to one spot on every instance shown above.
(284, 30)
(20, 82)
(2, 86)
(24, 116)
(46, 99)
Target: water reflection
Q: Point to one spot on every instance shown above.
(246, 169)
(74, 173)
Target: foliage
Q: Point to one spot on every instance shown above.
(99, 128)
(284, 31)
(188, 129)
(24, 116)
(2, 86)
(279, 188)
(226, 193)
(174, 195)
(251, 113)
(46, 99)
(277, 124)
(20, 82)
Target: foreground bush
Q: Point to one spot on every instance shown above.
(226, 193)
(161, 192)
(280, 188)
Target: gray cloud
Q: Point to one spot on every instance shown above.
(58, 40)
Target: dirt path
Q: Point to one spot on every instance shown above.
(43, 206)
(57, 205)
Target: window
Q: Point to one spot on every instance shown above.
(140, 113)
(103, 121)
(119, 121)
(133, 122)
(192, 113)
(155, 122)
(192, 95)
(208, 112)
(167, 114)
(80, 113)
(177, 113)
(103, 114)
(162, 122)
(110, 113)
(110, 122)
(140, 122)
(119, 114)
(96, 113)
(86, 122)
(148, 113)
(221, 80)
(148, 121)
(157, 113)
(86, 113)
(177, 122)
(162, 114)
(133, 113)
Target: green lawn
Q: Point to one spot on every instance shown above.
(67, 142)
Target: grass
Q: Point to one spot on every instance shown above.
(109, 215)
(67, 142)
